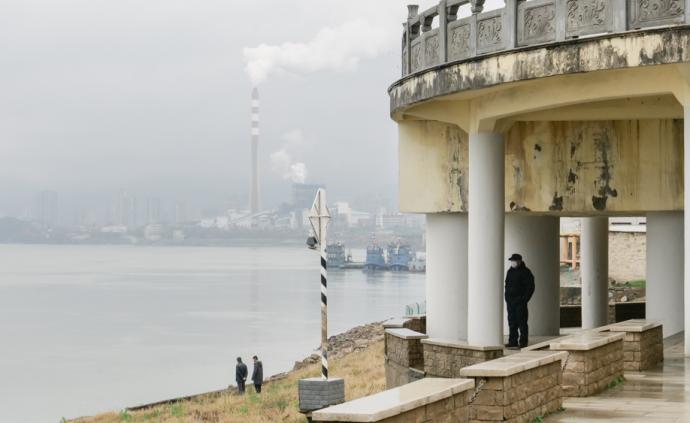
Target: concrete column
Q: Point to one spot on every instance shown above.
(594, 252)
(686, 223)
(485, 239)
(665, 270)
(536, 238)
(446, 275)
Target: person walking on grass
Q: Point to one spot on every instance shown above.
(518, 291)
(258, 374)
(240, 375)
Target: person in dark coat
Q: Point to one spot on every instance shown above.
(518, 291)
(258, 374)
(240, 375)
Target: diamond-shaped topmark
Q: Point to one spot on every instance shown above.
(319, 216)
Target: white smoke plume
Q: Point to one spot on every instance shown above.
(283, 162)
(338, 48)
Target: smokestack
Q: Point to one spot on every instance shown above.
(254, 194)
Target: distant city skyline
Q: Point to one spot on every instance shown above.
(165, 113)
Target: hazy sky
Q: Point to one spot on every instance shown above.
(153, 96)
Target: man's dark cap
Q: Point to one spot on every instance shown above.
(515, 257)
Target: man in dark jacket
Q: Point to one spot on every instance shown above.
(240, 375)
(258, 374)
(518, 291)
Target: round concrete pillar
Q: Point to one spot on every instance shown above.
(446, 275)
(686, 225)
(594, 252)
(665, 270)
(485, 239)
(536, 238)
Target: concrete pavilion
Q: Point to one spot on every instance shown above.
(513, 118)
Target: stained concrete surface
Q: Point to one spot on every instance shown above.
(658, 395)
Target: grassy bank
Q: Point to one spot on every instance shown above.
(362, 370)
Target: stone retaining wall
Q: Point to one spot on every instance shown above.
(404, 358)
(416, 323)
(453, 409)
(643, 350)
(397, 375)
(521, 397)
(446, 361)
(405, 352)
(589, 372)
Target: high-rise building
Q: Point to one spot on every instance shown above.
(46, 208)
(153, 210)
(180, 212)
(254, 190)
(125, 213)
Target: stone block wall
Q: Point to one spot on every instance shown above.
(518, 398)
(452, 409)
(404, 360)
(627, 256)
(416, 323)
(643, 350)
(589, 372)
(397, 375)
(405, 352)
(315, 393)
(446, 361)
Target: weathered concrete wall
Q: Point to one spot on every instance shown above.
(433, 167)
(559, 168)
(619, 51)
(595, 167)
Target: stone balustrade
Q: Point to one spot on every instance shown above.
(404, 358)
(643, 345)
(517, 388)
(445, 358)
(437, 35)
(595, 359)
(427, 400)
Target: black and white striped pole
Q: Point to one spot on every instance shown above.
(319, 217)
(320, 392)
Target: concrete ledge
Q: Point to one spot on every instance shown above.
(513, 364)
(633, 325)
(585, 341)
(404, 333)
(398, 401)
(395, 323)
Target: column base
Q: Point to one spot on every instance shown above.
(317, 393)
(445, 358)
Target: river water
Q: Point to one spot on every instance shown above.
(85, 329)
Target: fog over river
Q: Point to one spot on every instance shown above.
(86, 329)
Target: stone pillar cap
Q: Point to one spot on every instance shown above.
(394, 401)
(512, 364)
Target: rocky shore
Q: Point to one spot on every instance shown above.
(358, 338)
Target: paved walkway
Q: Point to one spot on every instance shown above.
(661, 395)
